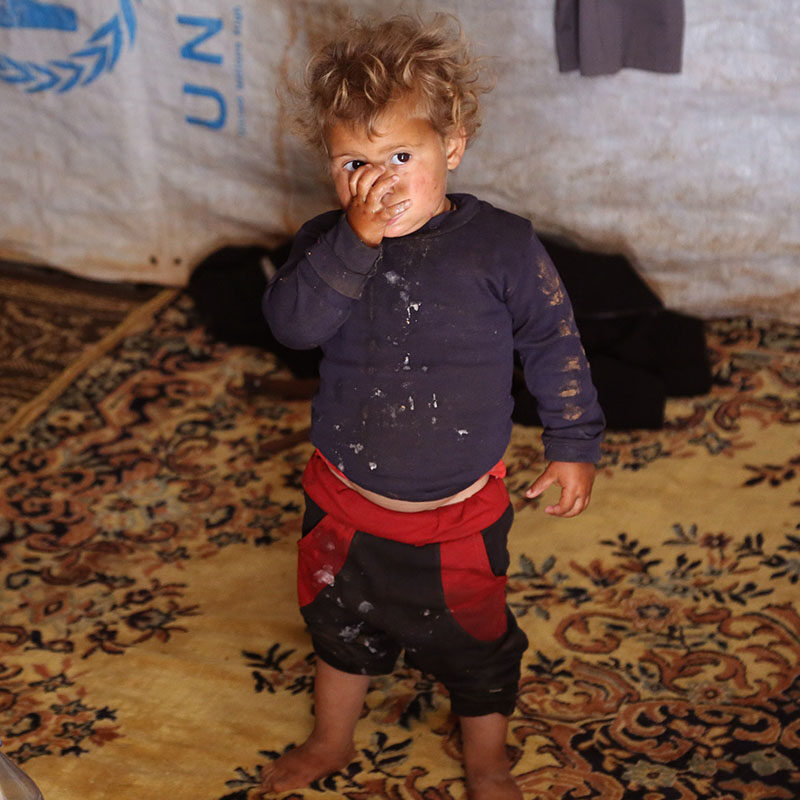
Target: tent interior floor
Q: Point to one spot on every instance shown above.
(47, 319)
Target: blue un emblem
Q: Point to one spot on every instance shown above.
(30, 14)
(79, 67)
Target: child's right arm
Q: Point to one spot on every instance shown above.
(326, 272)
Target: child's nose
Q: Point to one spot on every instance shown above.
(394, 172)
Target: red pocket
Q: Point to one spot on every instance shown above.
(473, 593)
(321, 554)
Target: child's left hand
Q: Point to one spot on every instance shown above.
(574, 478)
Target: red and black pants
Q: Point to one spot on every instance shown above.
(373, 583)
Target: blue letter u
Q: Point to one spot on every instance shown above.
(205, 91)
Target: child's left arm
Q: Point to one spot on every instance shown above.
(558, 375)
(575, 479)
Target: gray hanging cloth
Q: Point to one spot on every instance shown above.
(600, 37)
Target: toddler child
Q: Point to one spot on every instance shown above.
(418, 299)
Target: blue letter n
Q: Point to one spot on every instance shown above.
(212, 28)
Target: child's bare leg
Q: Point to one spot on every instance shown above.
(338, 701)
(485, 761)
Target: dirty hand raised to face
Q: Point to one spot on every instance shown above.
(371, 208)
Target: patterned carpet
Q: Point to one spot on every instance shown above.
(150, 641)
(47, 321)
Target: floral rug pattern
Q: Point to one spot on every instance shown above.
(46, 321)
(148, 520)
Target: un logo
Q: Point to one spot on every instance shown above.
(97, 55)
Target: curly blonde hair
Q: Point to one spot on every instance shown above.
(356, 75)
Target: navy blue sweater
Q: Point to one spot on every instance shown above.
(418, 338)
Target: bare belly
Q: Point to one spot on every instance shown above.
(409, 506)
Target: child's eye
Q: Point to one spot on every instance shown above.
(401, 158)
(352, 166)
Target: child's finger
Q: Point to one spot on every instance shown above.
(363, 179)
(383, 186)
(398, 208)
(542, 483)
(570, 504)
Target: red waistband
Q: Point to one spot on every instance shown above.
(442, 524)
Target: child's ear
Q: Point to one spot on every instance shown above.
(455, 144)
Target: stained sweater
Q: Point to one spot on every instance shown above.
(418, 338)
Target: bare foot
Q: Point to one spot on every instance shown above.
(499, 785)
(338, 700)
(303, 765)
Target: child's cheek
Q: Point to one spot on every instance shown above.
(420, 187)
(342, 189)
(431, 191)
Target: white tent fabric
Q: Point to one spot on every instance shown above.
(137, 137)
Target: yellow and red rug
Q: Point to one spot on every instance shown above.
(150, 643)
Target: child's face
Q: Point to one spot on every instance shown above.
(405, 145)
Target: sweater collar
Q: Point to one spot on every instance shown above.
(464, 209)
